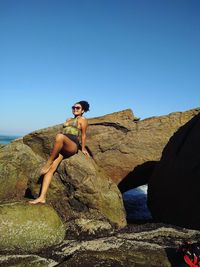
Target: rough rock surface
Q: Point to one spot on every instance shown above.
(25, 261)
(122, 148)
(28, 228)
(147, 245)
(174, 188)
(80, 188)
(119, 142)
(18, 164)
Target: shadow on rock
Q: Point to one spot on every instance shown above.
(174, 187)
(174, 258)
(134, 190)
(139, 176)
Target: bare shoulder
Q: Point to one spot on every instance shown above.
(82, 119)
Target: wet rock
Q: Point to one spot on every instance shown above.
(88, 229)
(25, 260)
(146, 247)
(29, 228)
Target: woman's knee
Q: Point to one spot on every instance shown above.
(59, 137)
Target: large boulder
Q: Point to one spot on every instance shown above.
(174, 188)
(41, 141)
(119, 142)
(26, 228)
(18, 163)
(79, 187)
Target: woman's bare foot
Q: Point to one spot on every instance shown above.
(37, 201)
(46, 167)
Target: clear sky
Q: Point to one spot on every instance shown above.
(116, 54)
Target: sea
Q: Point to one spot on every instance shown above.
(135, 203)
(6, 139)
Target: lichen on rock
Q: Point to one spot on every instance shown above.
(27, 228)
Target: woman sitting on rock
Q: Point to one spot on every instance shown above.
(66, 145)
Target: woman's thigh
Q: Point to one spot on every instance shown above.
(69, 147)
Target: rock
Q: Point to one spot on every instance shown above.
(29, 228)
(2, 145)
(17, 140)
(25, 260)
(119, 142)
(174, 188)
(41, 141)
(90, 228)
(79, 187)
(143, 246)
(18, 164)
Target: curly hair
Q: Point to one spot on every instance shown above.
(84, 104)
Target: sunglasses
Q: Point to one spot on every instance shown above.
(76, 107)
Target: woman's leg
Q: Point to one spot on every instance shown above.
(46, 181)
(62, 144)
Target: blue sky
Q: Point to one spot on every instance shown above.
(116, 54)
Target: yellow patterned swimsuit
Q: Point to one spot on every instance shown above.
(71, 130)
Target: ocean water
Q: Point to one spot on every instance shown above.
(135, 203)
(6, 139)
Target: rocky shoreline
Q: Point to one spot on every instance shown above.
(84, 221)
(144, 245)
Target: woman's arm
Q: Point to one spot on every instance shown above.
(84, 125)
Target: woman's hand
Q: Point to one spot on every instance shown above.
(85, 152)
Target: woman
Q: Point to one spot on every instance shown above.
(66, 145)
